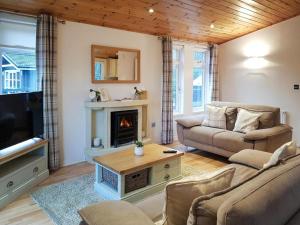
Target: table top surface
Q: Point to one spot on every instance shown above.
(126, 161)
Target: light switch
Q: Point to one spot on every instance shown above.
(296, 86)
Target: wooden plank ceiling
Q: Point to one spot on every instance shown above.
(182, 19)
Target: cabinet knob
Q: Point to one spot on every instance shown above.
(10, 184)
(167, 166)
(35, 169)
(167, 177)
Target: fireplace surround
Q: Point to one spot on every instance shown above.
(124, 126)
(100, 121)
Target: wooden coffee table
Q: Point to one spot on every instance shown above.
(122, 175)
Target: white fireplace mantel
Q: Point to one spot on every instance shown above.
(98, 124)
(114, 104)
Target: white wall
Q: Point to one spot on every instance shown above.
(74, 69)
(273, 84)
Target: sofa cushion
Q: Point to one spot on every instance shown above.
(114, 213)
(252, 158)
(242, 173)
(231, 114)
(231, 141)
(266, 120)
(180, 194)
(246, 121)
(295, 220)
(216, 117)
(202, 134)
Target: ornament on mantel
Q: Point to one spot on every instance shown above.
(140, 93)
(94, 95)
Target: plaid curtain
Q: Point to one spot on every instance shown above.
(213, 77)
(167, 100)
(46, 35)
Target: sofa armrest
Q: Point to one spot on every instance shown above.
(266, 133)
(191, 121)
(252, 158)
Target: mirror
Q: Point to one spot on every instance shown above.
(115, 65)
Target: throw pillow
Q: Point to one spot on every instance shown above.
(180, 194)
(216, 117)
(231, 114)
(246, 121)
(281, 153)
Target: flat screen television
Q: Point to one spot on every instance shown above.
(21, 117)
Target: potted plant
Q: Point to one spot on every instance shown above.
(139, 148)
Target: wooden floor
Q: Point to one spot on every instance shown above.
(24, 211)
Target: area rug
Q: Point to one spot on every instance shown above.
(61, 201)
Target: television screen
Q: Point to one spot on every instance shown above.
(21, 117)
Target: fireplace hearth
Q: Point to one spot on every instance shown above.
(124, 127)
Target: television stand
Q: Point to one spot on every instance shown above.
(22, 166)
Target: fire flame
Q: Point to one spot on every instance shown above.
(125, 123)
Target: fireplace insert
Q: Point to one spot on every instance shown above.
(124, 127)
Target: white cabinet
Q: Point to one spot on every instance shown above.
(21, 167)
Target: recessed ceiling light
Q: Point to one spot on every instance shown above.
(212, 26)
(151, 10)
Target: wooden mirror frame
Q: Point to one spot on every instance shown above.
(138, 80)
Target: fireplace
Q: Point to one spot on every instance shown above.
(124, 127)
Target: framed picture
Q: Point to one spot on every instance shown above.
(104, 95)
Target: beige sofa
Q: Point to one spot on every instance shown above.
(256, 196)
(269, 136)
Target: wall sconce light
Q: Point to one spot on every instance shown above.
(256, 63)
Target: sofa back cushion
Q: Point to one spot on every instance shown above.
(269, 118)
(231, 115)
(271, 198)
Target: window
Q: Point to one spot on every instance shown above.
(189, 77)
(17, 54)
(177, 78)
(12, 79)
(100, 68)
(199, 65)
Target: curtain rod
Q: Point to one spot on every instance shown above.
(62, 21)
(185, 40)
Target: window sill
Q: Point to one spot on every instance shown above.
(175, 115)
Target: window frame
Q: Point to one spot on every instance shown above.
(204, 68)
(180, 76)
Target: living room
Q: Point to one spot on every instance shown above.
(176, 70)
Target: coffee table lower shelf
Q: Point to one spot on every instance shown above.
(136, 185)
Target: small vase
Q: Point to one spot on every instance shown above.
(139, 151)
